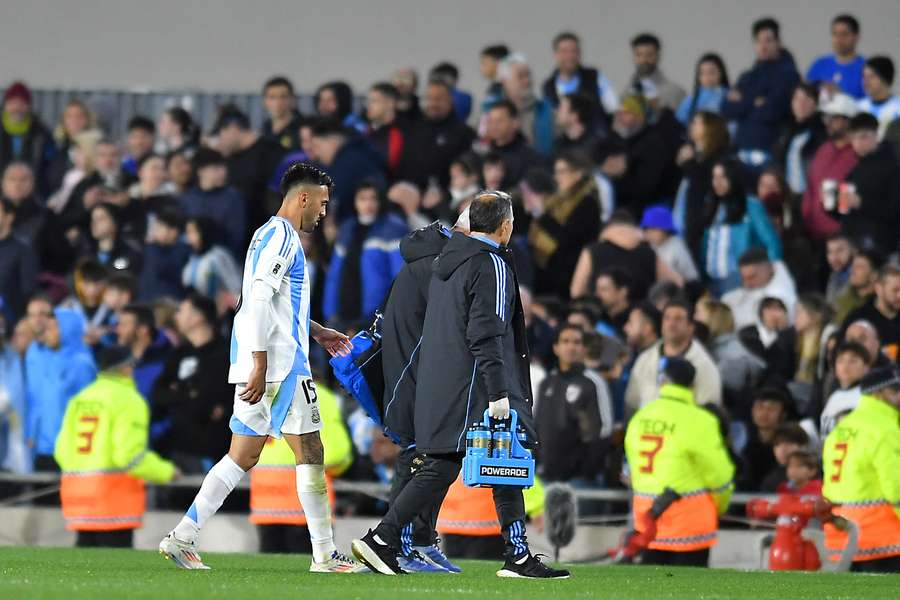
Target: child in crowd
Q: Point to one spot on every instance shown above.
(802, 475)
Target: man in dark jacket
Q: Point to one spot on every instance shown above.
(574, 414)
(869, 203)
(18, 266)
(504, 130)
(404, 317)
(643, 181)
(350, 160)
(572, 77)
(474, 356)
(283, 124)
(22, 135)
(435, 140)
(761, 100)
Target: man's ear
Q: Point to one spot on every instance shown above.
(303, 198)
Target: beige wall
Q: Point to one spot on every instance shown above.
(234, 44)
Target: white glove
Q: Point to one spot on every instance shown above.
(499, 409)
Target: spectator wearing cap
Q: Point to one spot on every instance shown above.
(841, 71)
(139, 142)
(165, 255)
(191, 398)
(250, 158)
(883, 310)
(770, 407)
(878, 77)
(645, 52)
(643, 327)
(576, 122)
(504, 133)
(788, 438)
(761, 278)
(851, 364)
(830, 165)
(213, 198)
(760, 102)
(570, 76)
(642, 182)
(23, 137)
(385, 132)
(736, 223)
(562, 224)
(350, 160)
(435, 140)
(280, 102)
(869, 203)
(18, 265)
(659, 231)
(864, 267)
(535, 114)
(677, 341)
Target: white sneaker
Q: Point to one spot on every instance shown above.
(338, 563)
(183, 554)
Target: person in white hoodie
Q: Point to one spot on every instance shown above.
(760, 278)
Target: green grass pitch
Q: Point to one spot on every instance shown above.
(70, 574)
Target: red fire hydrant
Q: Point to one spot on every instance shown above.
(790, 551)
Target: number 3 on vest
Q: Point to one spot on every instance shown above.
(657, 443)
(92, 422)
(839, 462)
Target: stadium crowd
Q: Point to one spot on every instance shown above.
(748, 224)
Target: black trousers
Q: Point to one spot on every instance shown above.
(284, 539)
(424, 523)
(695, 558)
(475, 547)
(45, 463)
(429, 485)
(891, 564)
(123, 538)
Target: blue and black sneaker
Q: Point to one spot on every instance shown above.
(416, 563)
(435, 556)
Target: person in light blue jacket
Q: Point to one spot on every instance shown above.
(710, 87)
(736, 223)
(365, 261)
(58, 365)
(13, 451)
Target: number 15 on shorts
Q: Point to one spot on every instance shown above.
(309, 390)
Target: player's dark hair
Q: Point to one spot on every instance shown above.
(205, 306)
(568, 327)
(767, 23)
(386, 88)
(123, 282)
(143, 314)
(278, 81)
(301, 173)
(565, 36)
(645, 39)
(496, 51)
(142, 122)
(508, 106)
(849, 20)
(488, 210)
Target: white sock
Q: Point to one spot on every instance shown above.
(313, 494)
(217, 484)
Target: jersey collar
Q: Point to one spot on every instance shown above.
(485, 239)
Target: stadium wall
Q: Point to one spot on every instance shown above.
(232, 45)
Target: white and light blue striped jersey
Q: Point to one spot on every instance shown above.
(275, 258)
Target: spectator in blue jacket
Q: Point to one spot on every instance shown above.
(710, 86)
(164, 258)
(366, 259)
(736, 223)
(349, 159)
(150, 349)
(462, 101)
(58, 365)
(760, 103)
(213, 198)
(841, 71)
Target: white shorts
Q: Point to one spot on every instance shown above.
(287, 407)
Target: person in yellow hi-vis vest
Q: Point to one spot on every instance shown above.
(673, 445)
(103, 454)
(861, 460)
(274, 506)
(468, 520)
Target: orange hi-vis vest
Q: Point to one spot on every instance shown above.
(273, 487)
(471, 511)
(673, 443)
(861, 464)
(102, 451)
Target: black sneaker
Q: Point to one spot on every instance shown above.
(377, 555)
(531, 568)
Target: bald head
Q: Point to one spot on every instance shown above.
(864, 333)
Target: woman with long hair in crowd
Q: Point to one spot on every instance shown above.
(710, 86)
(177, 132)
(76, 117)
(813, 326)
(211, 270)
(796, 147)
(735, 222)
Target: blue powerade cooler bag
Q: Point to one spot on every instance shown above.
(360, 374)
